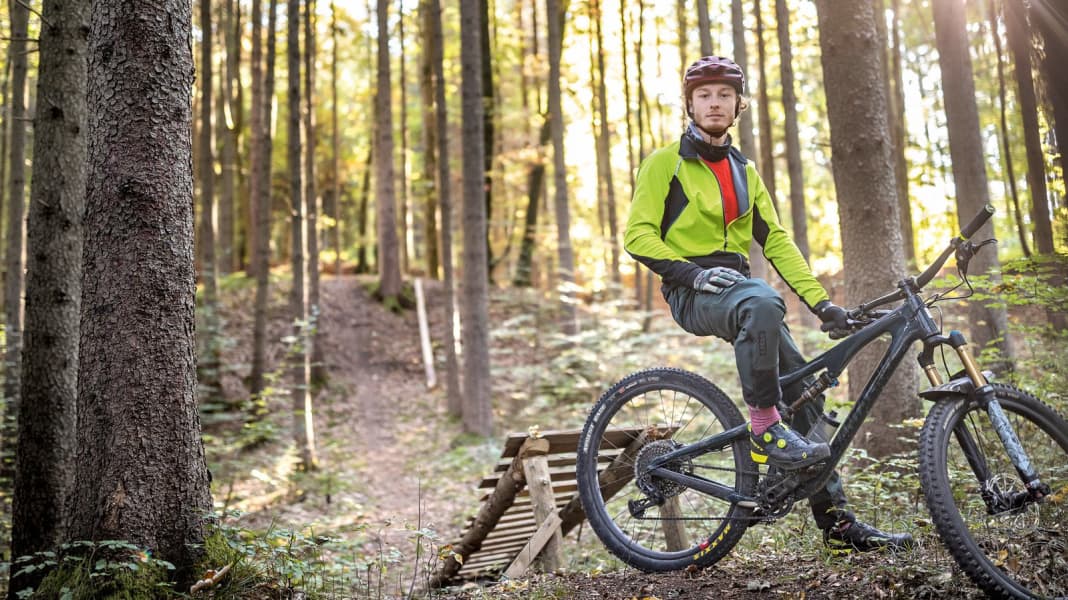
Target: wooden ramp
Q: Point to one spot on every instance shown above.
(533, 502)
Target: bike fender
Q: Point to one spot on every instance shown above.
(959, 386)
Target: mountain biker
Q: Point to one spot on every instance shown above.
(698, 203)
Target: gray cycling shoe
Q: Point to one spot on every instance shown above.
(857, 536)
(785, 448)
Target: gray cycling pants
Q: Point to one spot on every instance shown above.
(749, 315)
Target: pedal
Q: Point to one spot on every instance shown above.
(637, 508)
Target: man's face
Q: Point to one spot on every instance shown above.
(713, 107)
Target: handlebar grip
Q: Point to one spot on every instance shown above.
(977, 221)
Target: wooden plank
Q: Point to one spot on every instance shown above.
(672, 525)
(548, 529)
(540, 487)
(567, 440)
(561, 474)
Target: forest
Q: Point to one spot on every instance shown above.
(282, 277)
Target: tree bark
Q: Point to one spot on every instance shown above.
(867, 202)
(385, 195)
(988, 323)
(1019, 38)
(767, 155)
(402, 175)
(335, 144)
(208, 364)
(1049, 18)
(429, 187)
(477, 405)
(229, 126)
(535, 184)
(140, 474)
(489, 110)
(560, 198)
(741, 56)
(46, 436)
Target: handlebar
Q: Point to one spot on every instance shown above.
(968, 231)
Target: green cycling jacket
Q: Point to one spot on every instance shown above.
(676, 225)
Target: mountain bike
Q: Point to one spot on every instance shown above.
(667, 481)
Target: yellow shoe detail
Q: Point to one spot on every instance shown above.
(781, 443)
(767, 437)
(758, 458)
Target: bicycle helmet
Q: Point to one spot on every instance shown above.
(713, 69)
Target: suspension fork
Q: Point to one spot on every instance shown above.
(983, 392)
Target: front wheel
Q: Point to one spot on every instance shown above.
(1010, 546)
(639, 419)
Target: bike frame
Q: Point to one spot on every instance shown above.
(906, 324)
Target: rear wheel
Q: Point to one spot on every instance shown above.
(644, 416)
(1010, 546)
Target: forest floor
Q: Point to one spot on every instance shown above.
(398, 478)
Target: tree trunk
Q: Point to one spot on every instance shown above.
(335, 144)
(228, 127)
(260, 185)
(1006, 144)
(429, 186)
(988, 323)
(317, 374)
(303, 430)
(767, 155)
(477, 405)
(363, 241)
(489, 109)
(798, 214)
(704, 27)
(385, 196)
(741, 56)
(535, 183)
(402, 205)
(140, 473)
(16, 207)
(208, 363)
(1019, 38)
(556, 126)
(867, 202)
(454, 398)
(604, 144)
(896, 101)
(46, 434)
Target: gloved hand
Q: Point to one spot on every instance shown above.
(833, 316)
(717, 279)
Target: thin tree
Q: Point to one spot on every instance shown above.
(16, 206)
(335, 145)
(429, 189)
(896, 103)
(140, 474)
(228, 117)
(46, 435)
(402, 174)
(454, 398)
(477, 405)
(1019, 38)
(604, 141)
(299, 364)
(704, 26)
(741, 56)
(1006, 144)
(767, 156)
(966, 152)
(798, 213)
(864, 183)
(535, 184)
(489, 116)
(208, 366)
(317, 374)
(560, 204)
(389, 286)
(260, 184)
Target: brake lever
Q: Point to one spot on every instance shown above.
(966, 250)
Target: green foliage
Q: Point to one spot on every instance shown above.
(111, 570)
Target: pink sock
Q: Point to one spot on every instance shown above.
(762, 418)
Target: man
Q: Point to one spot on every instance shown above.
(698, 203)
